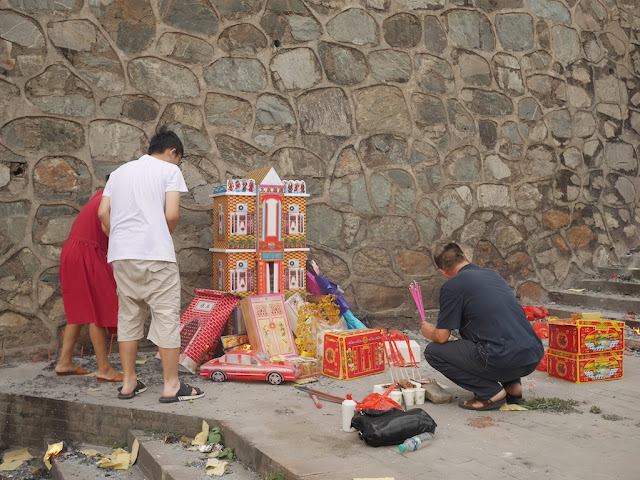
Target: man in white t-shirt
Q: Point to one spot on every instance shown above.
(139, 211)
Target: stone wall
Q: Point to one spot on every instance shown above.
(509, 126)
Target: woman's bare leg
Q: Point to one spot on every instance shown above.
(69, 339)
(99, 340)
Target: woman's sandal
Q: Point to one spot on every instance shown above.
(486, 404)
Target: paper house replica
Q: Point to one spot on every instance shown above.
(260, 235)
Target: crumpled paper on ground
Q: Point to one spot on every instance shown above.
(202, 437)
(118, 460)
(52, 451)
(13, 460)
(216, 467)
(507, 407)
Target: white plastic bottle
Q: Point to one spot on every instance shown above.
(415, 442)
(348, 411)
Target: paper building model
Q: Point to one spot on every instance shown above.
(260, 235)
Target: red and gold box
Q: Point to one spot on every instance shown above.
(586, 334)
(353, 354)
(585, 368)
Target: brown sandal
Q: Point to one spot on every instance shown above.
(486, 404)
(117, 379)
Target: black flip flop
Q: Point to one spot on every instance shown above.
(515, 400)
(183, 394)
(140, 387)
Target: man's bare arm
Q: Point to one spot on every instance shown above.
(172, 210)
(438, 335)
(104, 214)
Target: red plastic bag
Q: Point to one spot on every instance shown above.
(375, 401)
(528, 311)
(532, 312)
(542, 366)
(541, 328)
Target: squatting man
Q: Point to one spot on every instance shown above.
(497, 344)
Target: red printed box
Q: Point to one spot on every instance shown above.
(353, 354)
(585, 368)
(201, 325)
(586, 334)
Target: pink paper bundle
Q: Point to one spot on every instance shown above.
(416, 293)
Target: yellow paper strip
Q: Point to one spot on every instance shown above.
(216, 467)
(513, 408)
(202, 437)
(135, 448)
(13, 460)
(118, 460)
(52, 451)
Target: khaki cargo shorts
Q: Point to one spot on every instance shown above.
(148, 286)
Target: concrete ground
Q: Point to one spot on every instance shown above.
(285, 425)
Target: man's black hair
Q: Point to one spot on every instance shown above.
(448, 256)
(163, 139)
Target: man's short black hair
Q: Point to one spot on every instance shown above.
(448, 256)
(163, 139)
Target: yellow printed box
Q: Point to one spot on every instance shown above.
(585, 368)
(586, 335)
(353, 354)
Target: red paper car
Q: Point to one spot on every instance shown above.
(249, 365)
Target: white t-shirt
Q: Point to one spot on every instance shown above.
(137, 192)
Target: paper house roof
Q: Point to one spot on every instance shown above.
(265, 176)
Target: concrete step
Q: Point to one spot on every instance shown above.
(596, 302)
(76, 466)
(632, 339)
(610, 286)
(620, 272)
(171, 461)
(565, 311)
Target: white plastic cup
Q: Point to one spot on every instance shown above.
(379, 389)
(396, 396)
(420, 393)
(409, 395)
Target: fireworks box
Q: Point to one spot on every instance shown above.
(585, 368)
(201, 325)
(586, 334)
(353, 354)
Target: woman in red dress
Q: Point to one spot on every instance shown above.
(88, 292)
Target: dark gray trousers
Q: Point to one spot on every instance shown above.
(461, 362)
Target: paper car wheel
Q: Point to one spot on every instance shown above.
(218, 376)
(274, 378)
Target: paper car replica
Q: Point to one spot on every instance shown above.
(249, 365)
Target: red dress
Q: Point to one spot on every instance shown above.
(88, 287)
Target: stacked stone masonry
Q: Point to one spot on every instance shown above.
(509, 126)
